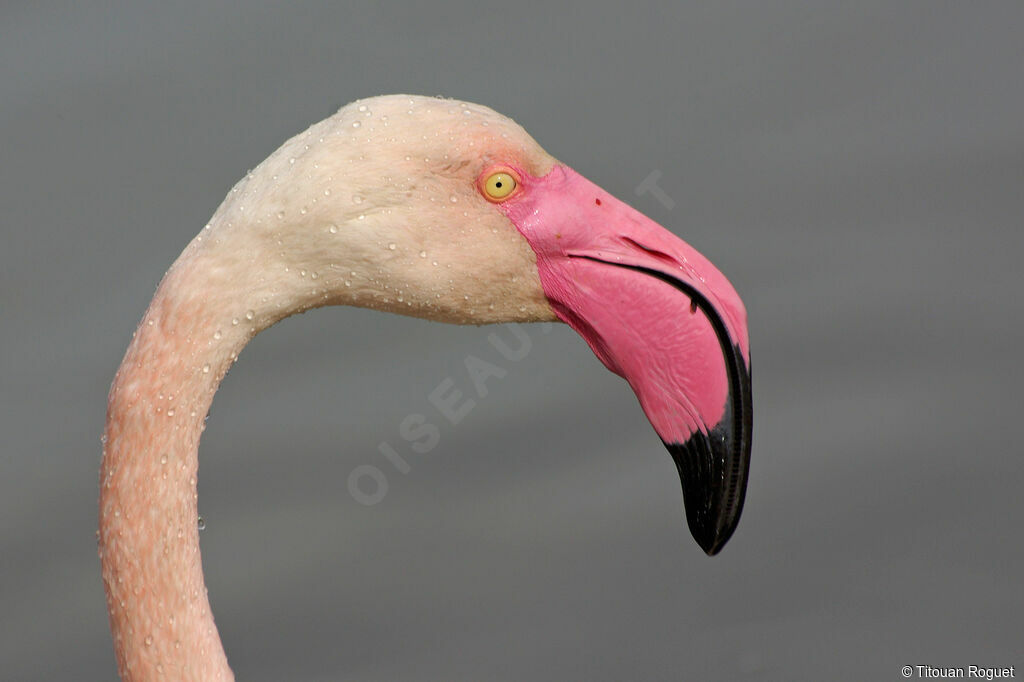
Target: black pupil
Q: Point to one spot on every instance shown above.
(498, 183)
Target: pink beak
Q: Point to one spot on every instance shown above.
(660, 315)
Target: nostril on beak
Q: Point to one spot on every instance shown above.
(660, 255)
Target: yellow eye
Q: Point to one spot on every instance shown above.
(499, 185)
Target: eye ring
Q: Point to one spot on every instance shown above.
(498, 184)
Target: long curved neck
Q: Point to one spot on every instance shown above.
(296, 233)
(200, 319)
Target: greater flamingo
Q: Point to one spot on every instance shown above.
(426, 207)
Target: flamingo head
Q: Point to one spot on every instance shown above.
(450, 211)
(426, 207)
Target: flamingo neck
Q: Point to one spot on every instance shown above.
(200, 319)
(296, 233)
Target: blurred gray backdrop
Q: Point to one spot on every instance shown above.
(857, 170)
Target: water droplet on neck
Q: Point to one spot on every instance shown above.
(392, 246)
(357, 199)
(206, 369)
(356, 124)
(201, 523)
(249, 314)
(423, 254)
(218, 334)
(333, 229)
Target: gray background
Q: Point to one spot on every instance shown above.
(857, 172)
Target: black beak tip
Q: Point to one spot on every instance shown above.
(714, 481)
(710, 542)
(714, 464)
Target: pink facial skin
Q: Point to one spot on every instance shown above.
(645, 329)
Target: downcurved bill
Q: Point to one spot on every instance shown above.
(659, 314)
